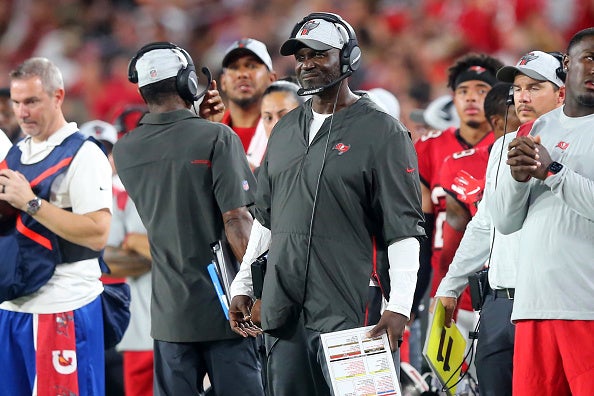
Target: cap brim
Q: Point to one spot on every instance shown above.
(292, 45)
(238, 53)
(508, 74)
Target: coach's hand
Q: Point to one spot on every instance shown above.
(393, 324)
(240, 317)
(212, 106)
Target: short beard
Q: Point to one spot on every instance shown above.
(245, 102)
(473, 124)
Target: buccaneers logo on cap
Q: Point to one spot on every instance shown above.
(527, 58)
(311, 25)
(244, 42)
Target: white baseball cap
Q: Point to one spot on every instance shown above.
(247, 45)
(159, 64)
(317, 34)
(386, 101)
(537, 65)
(100, 130)
(440, 114)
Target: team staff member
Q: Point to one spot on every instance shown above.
(278, 99)
(338, 201)
(551, 172)
(247, 72)
(128, 255)
(190, 181)
(129, 366)
(62, 185)
(533, 96)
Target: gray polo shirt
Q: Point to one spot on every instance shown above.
(183, 172)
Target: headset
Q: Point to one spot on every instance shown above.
(350, 54)
(560, 71)
(186, 80)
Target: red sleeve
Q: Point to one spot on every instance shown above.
(525, 129)
(451, 241)
(446, 175)
(423, 148)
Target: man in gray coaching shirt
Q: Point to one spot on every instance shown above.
(338, 201)
(190, 181)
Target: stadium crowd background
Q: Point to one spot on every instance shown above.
(407, 44)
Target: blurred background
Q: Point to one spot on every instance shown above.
(407, 44)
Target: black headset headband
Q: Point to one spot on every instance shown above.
(559, 71)
(330, 17)
(133, 74)
(186, 79)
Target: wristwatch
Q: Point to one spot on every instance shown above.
(554, 168)
(33, 206)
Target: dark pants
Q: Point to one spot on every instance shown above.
(114, 373)
(296, 365)
(233, 368)
(495, 347)
(292, 368)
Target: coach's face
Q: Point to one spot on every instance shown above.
(534, 98)
(317, 68)
(38, 112)
(245, 79)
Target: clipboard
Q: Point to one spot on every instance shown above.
(216, 282)
(226, 264)
(444, 350)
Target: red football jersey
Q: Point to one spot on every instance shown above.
(474, 161)
(432, 149)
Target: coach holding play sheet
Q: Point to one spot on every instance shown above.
(339, 196)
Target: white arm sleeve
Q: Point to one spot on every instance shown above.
(259, 242)
(403, 257)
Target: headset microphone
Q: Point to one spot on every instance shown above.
(313, 91)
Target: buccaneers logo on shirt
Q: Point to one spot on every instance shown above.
(341, 148)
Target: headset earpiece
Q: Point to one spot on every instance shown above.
(560, 71)
(186, 80)
(350, 54)
(510, 97)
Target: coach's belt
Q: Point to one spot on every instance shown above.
(507, 293)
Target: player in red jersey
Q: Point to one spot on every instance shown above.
(471, 164)
(470, 78)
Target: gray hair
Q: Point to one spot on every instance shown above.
(46, 70)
